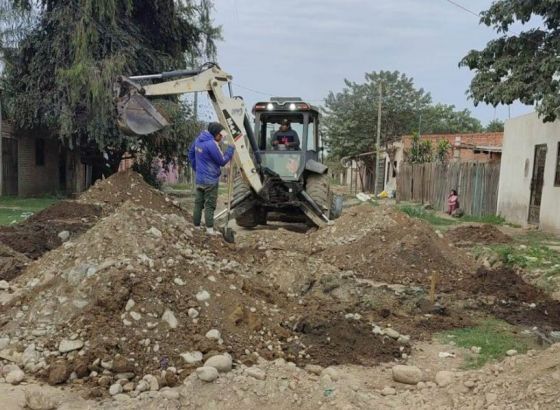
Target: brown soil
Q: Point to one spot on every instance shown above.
(39, 233)
(406, 252)
(127, 186)
(274, 294)
(11, 263)
(477, 234)
(506, 295)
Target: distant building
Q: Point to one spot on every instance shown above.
(484, 146)
(32, 166)
(529, 187)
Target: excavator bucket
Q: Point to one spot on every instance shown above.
(137, 116)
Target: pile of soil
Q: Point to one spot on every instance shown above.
(127, 186)
(507, 296)
(464, 236)
(142, 288)
(38, 234)
(402, 250)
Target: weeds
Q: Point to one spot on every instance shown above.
(493, 337)
(428, 216)
(486, 219)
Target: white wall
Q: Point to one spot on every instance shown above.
(520, 137)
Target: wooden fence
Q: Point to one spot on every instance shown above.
(476, 183)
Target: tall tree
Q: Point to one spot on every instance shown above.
(495, 126)
(522, 66)
(60, 75)
(351, 115)
(443, 119)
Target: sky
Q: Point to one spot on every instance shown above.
(307, 48)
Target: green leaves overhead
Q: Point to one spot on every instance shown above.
(60, 76)
(521, 66)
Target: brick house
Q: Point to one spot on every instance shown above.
(483, 146)
(33, 166)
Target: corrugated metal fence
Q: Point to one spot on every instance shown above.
(476, 183)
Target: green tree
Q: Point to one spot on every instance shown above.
(60, 75)
(421, 151)
(522, 66)
(495, 126)
(443, 119)
(442, 151)
(350, 123)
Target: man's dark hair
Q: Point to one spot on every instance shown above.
(215, 128)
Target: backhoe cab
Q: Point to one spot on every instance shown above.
(287, 136)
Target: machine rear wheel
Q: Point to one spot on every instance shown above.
(252, 217)
(318, 186)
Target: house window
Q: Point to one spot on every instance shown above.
(394, 169)
(40, 152)
(557, 175)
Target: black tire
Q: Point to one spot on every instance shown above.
(250, 218)
(318, 186)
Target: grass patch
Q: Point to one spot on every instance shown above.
(180, 187)
(415, 211)
(486, 219)
(14, 209)
(494, 337)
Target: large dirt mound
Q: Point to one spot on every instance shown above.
(127, 186)
(144, 286)
(477, 234)
(388, 246)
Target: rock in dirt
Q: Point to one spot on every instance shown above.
(155, 232)
(66, 346)
(37, 399)
(192, 357)
(221, 362)
(392, 333)
(388, 391)
(64, 236)
(444, 378)
(170, 394)
(4, 342)
(4, 285)
(152, 382)
(170, 319)
(115, 389)
(202, 296)
(313, 368)
(511, 352)
(255, 373)
(15, 376)
(58, 373)
(213, 334)
(193, 313)
(207, 374)
(407, 374)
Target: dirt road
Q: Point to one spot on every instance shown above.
(136, 309)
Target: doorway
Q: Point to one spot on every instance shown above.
(9, 166)
(537, 182)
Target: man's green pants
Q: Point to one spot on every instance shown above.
(206, 198)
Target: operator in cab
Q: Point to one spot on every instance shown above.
(285, 137)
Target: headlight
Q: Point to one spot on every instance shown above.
(292, 107)
(270, 107)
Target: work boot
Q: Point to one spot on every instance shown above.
(211, 232)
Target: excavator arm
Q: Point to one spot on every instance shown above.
(136, 115)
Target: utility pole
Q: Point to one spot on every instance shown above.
(378, 140)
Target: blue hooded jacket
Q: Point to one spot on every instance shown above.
(206, 158)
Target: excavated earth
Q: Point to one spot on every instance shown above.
(137, 291)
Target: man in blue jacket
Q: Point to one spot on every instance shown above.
(206, 158)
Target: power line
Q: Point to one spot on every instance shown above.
(463, 8)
